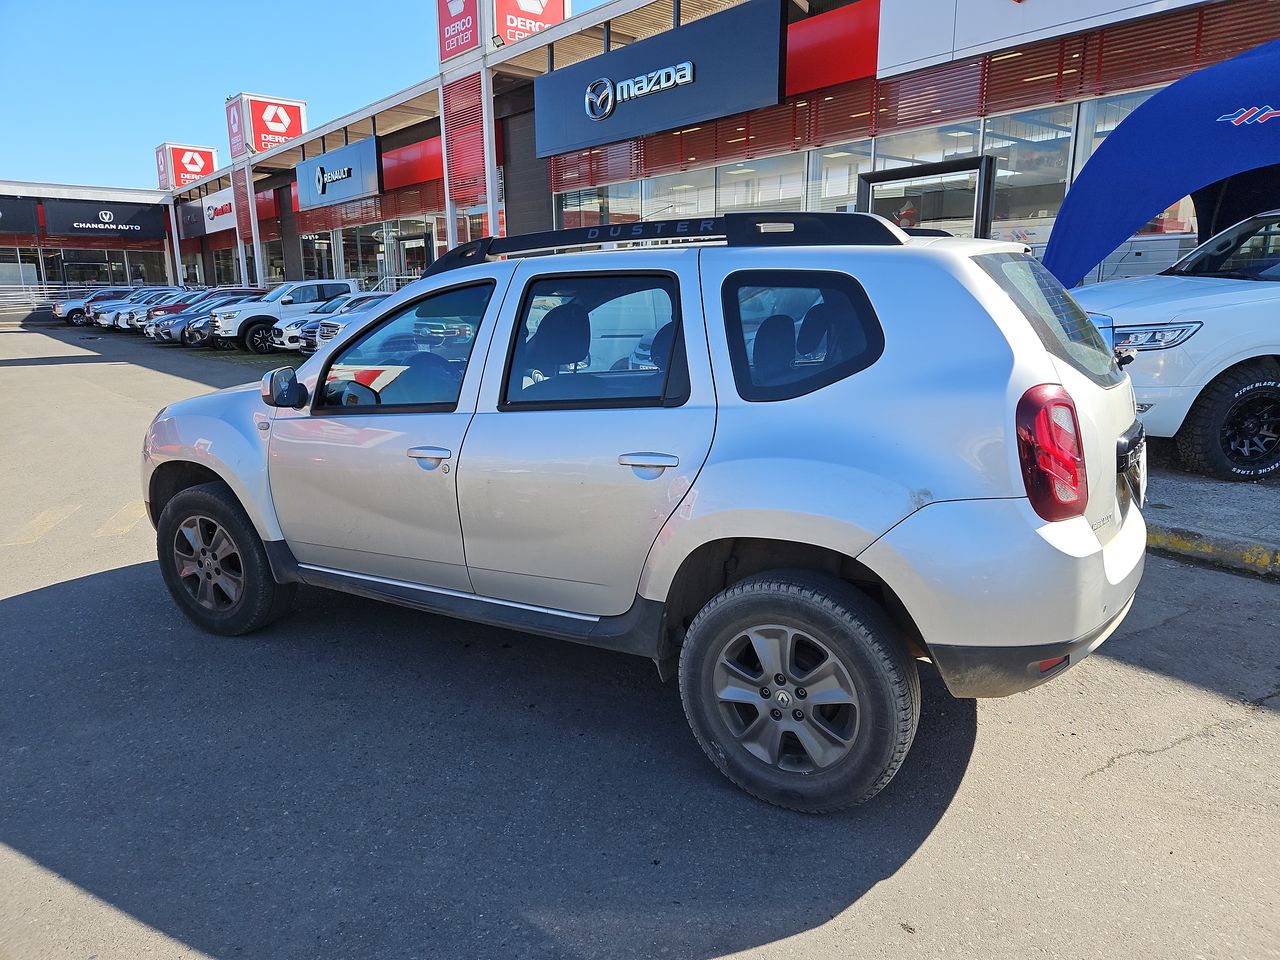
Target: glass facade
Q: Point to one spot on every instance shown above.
(226, 267)
(1037, 153)
(29, 266)
(273, 256)
(317, 256)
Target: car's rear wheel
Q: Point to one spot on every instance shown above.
(1233, 429)
(258, 339)
(798, 691)
(214, 564)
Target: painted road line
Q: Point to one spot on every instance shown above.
(40, 524)
(126, 519)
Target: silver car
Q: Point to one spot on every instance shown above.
(851, 449)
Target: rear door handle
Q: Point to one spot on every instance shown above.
(658, 460)
(429, 453)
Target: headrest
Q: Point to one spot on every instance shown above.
(563, 336)
(775, 346)
(660, 349)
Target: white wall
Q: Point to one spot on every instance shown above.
(921, 33)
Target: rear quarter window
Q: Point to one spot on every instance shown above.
(1061, 324)
(792, 332)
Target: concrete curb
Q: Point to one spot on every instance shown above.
(1245, 556)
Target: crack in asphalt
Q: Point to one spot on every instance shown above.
(1207, 730)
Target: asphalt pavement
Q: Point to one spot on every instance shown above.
(366, 781)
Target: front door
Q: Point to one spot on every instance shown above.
(364, 480)
(594, 419)
(414, 256)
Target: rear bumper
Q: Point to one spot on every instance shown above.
(993, 589)
(1001, 671)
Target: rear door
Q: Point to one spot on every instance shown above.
(1115, 462)
(575, 459)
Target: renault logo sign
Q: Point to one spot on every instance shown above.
(604, 94)
(599, 98)
(325, 177)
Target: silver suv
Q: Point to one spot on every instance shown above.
(849, 450)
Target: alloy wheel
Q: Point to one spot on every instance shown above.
(260, 339)
(209, 564)
(1251, 429)
(786, 698)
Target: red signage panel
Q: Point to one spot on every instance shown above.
(189, 164)
(459, 26)
(516, 19)
(162, 168)
(273, 122)
(235, 128)
(839, 45)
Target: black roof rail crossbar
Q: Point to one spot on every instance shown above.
(926, 232)
(736, 229)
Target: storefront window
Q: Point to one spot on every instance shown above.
(226, 267)
(1033, 157)
(86, 266)
(16, 270)
(416, 252)
(615, 203)
(833, 176)
(363, 256)
(952, 141)
(273, 254)
(776, 183)
(147, 267)
(52, 266)
(192, 268)
(688, 194)
(317, 256)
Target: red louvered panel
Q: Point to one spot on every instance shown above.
(268, 229)
(1143, 52)
(190, 245)
(221, 240)
(842, 113)
(614, 162)
(936, 95)
(661, 153)
(569, 171)
(240, 191)
(1041, 73)
(464, 140)
(1227, 29)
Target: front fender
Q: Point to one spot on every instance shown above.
(226, 432)
(818, 504)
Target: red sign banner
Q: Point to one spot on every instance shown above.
(516, 19)
(459, 26)
(235, 128)
(273, 122)
(162, 168)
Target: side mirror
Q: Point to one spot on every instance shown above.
(280, 388)
(286, 300)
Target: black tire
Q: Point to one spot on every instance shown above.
(1233, 429)
(260, 600)
(257, 338)
(862, 640)
(75, 318)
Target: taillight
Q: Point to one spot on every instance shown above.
(1052, 453)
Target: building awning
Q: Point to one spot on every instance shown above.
(1213, 124)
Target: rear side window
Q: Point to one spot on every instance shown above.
(1062, 325)
(792, 332)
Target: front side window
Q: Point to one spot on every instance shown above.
(791, 332)
(1062, 325)
(593, 341)
(277, 293)
(415, 358)
(1248, 251)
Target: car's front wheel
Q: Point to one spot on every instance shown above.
(1233, 429)
(798, 691)
(258, 338)
(75, 318)
(214, 564)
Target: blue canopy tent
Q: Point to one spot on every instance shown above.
(1215, 124)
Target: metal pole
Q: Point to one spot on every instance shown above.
(177, 244)
(259, 265)
(492, 200)
(608, 35)
(675, 13)
(450, 216)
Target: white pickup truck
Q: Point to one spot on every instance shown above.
(249, 324)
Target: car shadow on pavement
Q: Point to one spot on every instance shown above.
(362, 780)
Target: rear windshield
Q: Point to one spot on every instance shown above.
(1062, 325)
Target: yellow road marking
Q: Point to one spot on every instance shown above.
(41, 524)
(126, 519)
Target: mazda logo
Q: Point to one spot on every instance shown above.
(599, 99)
(320, 184)
(106, 216)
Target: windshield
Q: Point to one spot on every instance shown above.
(277, 293)
(1248, 251)
(331, 306)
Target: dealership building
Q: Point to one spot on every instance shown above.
(973, 116)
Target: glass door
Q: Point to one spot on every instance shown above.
(415, 255)
(953, 196)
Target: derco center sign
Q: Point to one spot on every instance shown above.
(681, 77)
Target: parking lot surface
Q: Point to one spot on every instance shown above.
(363, 780)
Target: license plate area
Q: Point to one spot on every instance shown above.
(1131, 465)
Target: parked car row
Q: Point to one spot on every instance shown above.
(293, 316)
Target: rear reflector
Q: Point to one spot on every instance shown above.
(1047, 665)
(1051, 453)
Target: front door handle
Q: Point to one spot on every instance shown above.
(429, 453)
(656, 460)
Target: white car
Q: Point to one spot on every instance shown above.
(106, 314)
(1207, 342)
(287, 334)
(251, 324)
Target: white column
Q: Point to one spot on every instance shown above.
(174, 267)
(490, 149)
(259, 266)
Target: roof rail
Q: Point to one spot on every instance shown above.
(736, 229)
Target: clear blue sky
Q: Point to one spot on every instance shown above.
(91, 88)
